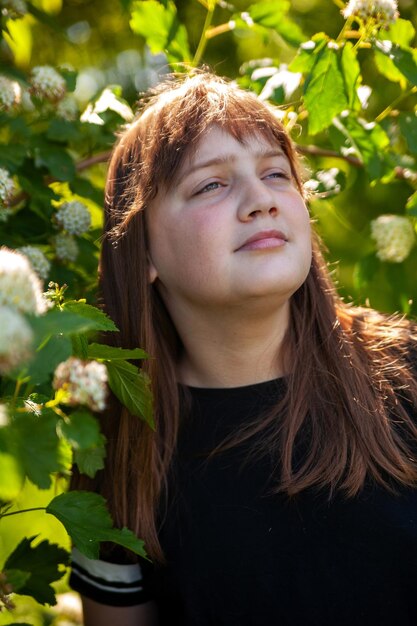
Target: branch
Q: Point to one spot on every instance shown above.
(315, 151)
(101, 157)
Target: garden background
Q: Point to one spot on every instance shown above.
(71, 73)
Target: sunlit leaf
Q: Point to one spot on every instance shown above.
(159, 24)
(325, 95)
(351, 74)
(404, 59)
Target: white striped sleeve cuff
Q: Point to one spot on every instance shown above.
(108, 583)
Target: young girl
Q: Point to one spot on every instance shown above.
(279, 487)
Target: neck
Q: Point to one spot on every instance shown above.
(231, 347)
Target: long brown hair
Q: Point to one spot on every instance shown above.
(349, 381)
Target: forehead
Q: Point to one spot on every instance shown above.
(218, 142)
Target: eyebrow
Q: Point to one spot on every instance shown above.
(229, 158)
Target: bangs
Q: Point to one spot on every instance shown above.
(173, 123)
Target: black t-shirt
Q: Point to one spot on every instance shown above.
(238, 555)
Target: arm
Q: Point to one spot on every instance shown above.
(96, 614)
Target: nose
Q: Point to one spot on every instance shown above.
(256, 199)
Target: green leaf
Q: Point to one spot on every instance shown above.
(308, 53)
(91, 460)
(42, 563)
(273, 15)
(411, 205)
(12, 156)
(38, 447)
(365, 270)
(82, 430)
(401, 31)
(63, 322)
(63, 130)
(158, 23)
(56, 350)
(132, 388)
(88, 522)
(109, 353)
(325, 95)
(408, 126)
(351, 74)
(99, 320)
(11, 477)
(404, 59)
(368, 141)
(80, 346)
(56, 160)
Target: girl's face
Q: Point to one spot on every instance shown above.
(232, 227)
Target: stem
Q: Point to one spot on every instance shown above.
(203, 39)
(389, 108)
(37, 508)
(346, 27)
(16, 391)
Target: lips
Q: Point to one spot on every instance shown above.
(264, 239)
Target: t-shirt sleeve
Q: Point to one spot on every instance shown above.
(108, 583)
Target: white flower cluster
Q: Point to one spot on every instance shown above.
(13, 9)
(47, 83)
(84, 381)
(20, 292)
(66, 248)
(4, 416)
(394, 236)
(10, 93)
(7, 187)
(74, 217)
(37, 259)
(68, 109)
(326, 178)
(382, 12)
(20, 287)
(15, 339)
